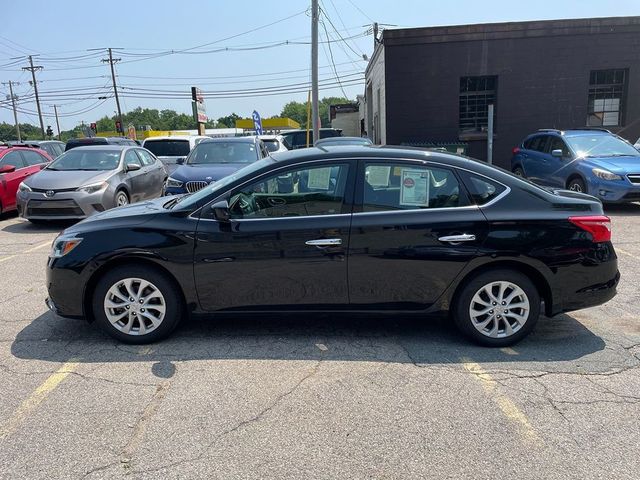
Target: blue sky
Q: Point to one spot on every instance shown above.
(64, 29)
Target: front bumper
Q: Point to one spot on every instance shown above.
(72, 205)
(614, 191)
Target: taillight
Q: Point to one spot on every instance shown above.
(515, 150)
(598, 226)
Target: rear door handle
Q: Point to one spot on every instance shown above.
(465, 237)
(324, 242)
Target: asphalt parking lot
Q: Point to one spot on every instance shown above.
(316, 397)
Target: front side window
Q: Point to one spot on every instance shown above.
(12, 158)
(476, 93)
(32, 158)
(558, 144)
(294, 193)
(606, 97)
(146, 157)
(131, 158)
(389, 187)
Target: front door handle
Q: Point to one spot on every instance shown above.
(465, 237)
(324, 242)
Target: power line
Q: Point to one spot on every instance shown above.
(360, 10)
(335, 71)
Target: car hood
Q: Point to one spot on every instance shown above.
(209, 172)
(60, 179)
(127, 216)
(618, 164)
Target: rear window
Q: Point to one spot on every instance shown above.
(168, 148)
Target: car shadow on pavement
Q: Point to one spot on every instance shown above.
(337, 337)
(622, 209)
(30, 228)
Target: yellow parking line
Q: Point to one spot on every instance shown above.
(37, 397)
(38, 247)
(627, 253)
(506, 405)
(509, 351)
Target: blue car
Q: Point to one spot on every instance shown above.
(212, 160)
(593, 161)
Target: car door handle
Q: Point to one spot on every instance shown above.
(465, 237)
(324, 242)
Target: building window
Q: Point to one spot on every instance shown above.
(476, 93)
(606, 97)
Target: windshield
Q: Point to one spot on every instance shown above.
(168, 148)
(222, 152)
(601, 146)
(272, 145)
(93, 159)
(193, 199)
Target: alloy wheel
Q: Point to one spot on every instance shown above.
(134, 306)
(122, 199)
(499, 309)
(575, 187)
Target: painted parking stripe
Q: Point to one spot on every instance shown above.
(38, 247)
(37, 397)
(506, 405)
(624, 252)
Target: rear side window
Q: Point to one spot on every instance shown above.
(481, 189)
(12, 158)
(389, 187)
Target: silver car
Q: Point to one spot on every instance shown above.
(87, 180)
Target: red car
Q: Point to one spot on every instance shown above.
(16, 164)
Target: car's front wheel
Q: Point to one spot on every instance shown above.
(577, 185)
(122, 198)
(137, 304)
(497, 308)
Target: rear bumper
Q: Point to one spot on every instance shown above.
(591, 296)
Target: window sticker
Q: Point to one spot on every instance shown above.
(319, 178)
(378, 176)
(414, 188)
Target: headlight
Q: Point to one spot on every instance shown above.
(23, 187)
(93, 188)
(605, 174)
(63, 245)
(172, 182)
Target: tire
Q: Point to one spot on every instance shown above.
(473, 297)
(121, 199)
(519, 172)
(577, 185)
(112, 289)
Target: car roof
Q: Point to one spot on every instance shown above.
(104, 146)
(175, 137)
(310, 131)
(246, 139)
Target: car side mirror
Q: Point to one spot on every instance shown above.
(7, 169)
(221, 211)
(180, 161)
(557, 153)
(132, 167)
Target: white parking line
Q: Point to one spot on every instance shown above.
(627, 253)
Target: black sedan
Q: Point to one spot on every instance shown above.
(341, 229)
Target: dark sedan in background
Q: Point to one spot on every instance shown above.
(341, 229)
(86, 180)
(212, 160)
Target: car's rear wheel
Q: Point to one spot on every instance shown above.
(497, 308)
(121, 198)
(577, 185)
(137, 304)
(518, 171)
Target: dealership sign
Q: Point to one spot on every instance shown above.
(199, 110)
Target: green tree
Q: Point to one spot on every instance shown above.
(298, 111)
(229, 121)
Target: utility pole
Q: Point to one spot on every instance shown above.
(315, 112)
(13, 103)
(375, 35)
(111, 61)
(33, 69)
(55, 109)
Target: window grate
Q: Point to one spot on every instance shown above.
(476, 94)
